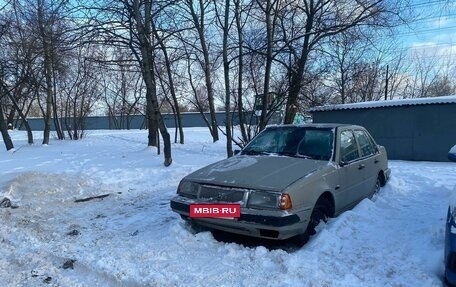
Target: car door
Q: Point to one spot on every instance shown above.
(369, 159)
(351, 171)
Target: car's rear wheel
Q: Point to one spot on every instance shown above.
(378, 183)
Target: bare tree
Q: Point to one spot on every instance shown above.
(18, 67)
(129, 24)
(81, 90)
(170, 82)
(441, 86)
(367, 79)
(143, 26)
(397, 67)
(424, 70)
(198, 10)
(238, 15)
(345, 51)
(123, 87)
(324, 19)
(270, 11)
(49, 30)
(3, 125)
(225, 24)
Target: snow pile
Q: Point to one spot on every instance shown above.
(130, 237)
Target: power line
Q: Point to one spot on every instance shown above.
(425, 4)
(436, 45)
(415, 48)
(450, 17)
(448, 28)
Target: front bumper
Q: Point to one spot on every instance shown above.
(268, 224)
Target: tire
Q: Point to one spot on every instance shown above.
(192, 226)
(321, 212)
(378, 184)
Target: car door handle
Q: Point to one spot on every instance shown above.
(376, 161)
(361, 166)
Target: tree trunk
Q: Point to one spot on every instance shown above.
(10, 117)
(4, 130)
(267, 73)
(57, 122)
(226, 70)
(151, 119)
(199, 24)
(47, 73)
(177, 113)
(19, 111)
(296, 77)
(198, 105)
(240, 104)
(155, 118)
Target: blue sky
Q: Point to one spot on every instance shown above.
(432, 32)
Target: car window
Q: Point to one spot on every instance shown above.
(365, 144)
(348, 147)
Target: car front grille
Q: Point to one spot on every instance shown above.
(220, 194)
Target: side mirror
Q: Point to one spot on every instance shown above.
(237, 151)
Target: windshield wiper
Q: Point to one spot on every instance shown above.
(290, 154)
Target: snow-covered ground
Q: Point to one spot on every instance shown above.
(132, 238)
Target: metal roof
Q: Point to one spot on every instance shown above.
(388, 103)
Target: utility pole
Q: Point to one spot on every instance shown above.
(386, 83)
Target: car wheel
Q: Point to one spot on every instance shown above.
(320, 213)
(192, 226)
(378, 184)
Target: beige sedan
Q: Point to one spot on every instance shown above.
(288, 180)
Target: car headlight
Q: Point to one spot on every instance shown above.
(188, 189)
(263, 200)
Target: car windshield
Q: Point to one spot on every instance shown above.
(295, 141)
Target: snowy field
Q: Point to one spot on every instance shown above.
(132, 238)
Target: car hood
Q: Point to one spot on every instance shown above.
(257, 172)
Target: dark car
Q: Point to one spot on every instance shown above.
(452, 153)
(450, 235)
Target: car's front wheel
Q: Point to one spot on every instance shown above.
(320, 214)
